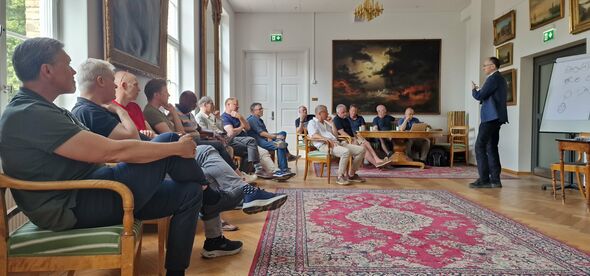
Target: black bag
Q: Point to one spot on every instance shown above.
(438, 157)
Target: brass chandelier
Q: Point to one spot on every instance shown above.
(368, 10)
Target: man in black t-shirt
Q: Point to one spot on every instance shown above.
(301, 122)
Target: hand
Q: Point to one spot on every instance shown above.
(169, 107)
(216, 113)
(235, 114)
(150, 134)
(112, 107)
(474, 86)
(188, 146)
(329, 119)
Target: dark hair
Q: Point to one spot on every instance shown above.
(30, 55)
(495, 61)
(254, 105)
(153, 86)
(187, 101)
(353, 105)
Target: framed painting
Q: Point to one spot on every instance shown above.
(395, 73)
(510, 76)
(505, 28)
(135, 35)
(580, 16)
(543, 12)
(504, 54)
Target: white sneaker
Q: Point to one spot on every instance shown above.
(342, 180)
(249, 178)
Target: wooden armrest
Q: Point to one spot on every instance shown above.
(122, 190)
(345, 138)
(458, 127)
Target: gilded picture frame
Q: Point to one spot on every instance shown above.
(135, 35)
(543, 12)
(510, 76)
(579, 16)
(505, 53)
(505, 28)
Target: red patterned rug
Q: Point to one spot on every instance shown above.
(456, 172)
(403, 232)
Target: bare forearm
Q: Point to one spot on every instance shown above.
(134, 151)
(127, 122)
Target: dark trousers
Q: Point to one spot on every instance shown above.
(486, 151)
(154, 197)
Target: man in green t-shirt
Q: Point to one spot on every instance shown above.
(41, 142)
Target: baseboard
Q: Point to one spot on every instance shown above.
(515, 172)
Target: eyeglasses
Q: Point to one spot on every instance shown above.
(486, 65)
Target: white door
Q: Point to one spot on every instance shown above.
(278, 82)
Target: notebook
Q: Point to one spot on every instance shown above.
(419, 127)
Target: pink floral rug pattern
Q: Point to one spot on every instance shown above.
(403, 232)
(457, 172)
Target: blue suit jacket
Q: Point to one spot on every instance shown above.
(492, 97)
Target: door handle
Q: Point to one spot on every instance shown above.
(272, 115)
(2, 30)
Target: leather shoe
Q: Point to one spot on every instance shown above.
(484, 184)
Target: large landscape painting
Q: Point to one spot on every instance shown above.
(396, 73)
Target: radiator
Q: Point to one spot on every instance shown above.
(17, 220)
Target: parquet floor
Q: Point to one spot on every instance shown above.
(520, 199)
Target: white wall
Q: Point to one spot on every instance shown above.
(515, 137)
(253, 34)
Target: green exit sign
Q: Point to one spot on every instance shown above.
(276, 37)
(548, 35)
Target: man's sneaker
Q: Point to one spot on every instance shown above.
(293, 157)
(342, 180)
(249, 178)
(220, 246)
(261, 201)
(279, 175)
(356, 178)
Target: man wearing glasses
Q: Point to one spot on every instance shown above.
(492, 97)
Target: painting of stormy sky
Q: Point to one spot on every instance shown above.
(396, 73)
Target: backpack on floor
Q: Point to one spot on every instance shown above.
(438, 157)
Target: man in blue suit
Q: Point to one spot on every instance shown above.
(492, 97)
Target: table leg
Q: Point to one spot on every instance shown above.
(399, 155)
(562, 176)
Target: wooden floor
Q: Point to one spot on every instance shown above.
(520, 199)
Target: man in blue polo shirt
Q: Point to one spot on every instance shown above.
(269, 141)
(421, 144)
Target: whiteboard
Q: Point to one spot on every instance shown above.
(567, 106)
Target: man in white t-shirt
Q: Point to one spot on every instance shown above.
(322, 127)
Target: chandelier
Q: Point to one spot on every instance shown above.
(368, 10)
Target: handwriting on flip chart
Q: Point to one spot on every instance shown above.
(569, 91)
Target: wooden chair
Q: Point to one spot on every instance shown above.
(22, 251)
(314, 155)
(459, 142)
(300, 143)
(578, 167)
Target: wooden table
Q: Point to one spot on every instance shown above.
(399, 143)
(574, 145)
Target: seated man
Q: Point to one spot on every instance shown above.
(186, 105)
(356, 121)
(236, 127)
(322, 127)
(303, 119)
(269, 141)
(342, 125)
(422, 144)
(95, 109)
(59, 147)
(127, 92)
(383, 121)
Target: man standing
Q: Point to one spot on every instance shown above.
(492, 97)
(59, 147)
(423, 144)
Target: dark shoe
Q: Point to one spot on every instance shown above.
(484, 184)
(356, 178)
(496, 184)
(220, 246)
(293, 157)
(261, 201)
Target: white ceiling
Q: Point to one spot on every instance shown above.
(389, 6)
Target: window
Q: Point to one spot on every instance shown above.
(25, 19)
(173, 51)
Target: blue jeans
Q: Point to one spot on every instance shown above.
(154, 197)
(281, 153)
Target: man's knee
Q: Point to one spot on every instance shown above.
(167, 137)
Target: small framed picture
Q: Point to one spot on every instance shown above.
(543, 12)
(580, 16)
(504, 54)
(510, 77)
(505, 28)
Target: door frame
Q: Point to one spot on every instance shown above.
(3, 62)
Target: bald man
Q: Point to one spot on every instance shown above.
(125, 95)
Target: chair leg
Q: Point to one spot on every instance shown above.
(452, 156)
(162, 236)
(305, 170)
(580, 185)
(322, 170)
(329, 166)
(554, 184)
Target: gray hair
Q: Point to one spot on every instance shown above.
(338, 107)
(30, 55)
(319, 108)
(91, 69)
(205, 100)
